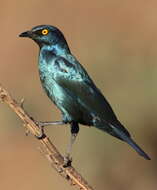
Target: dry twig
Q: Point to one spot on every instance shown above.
(48, 149)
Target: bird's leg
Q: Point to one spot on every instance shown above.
(74, 132)
(42, 124)
(46, 123)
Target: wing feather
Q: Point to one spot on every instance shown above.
(75, 80)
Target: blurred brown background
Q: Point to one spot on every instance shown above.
(116, 42)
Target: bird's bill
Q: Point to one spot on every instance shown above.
(27, 34)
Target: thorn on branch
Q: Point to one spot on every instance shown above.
(22, 103)
(2, 95)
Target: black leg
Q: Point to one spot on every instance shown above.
(74, 132)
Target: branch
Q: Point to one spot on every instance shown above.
(48, 149)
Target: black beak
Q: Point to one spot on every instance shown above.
(27, 34)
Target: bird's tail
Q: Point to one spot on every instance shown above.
(123, 136)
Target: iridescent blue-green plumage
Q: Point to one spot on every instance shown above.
(71, 89)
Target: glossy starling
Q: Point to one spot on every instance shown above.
(71, 89)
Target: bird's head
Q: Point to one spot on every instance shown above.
(45, 35)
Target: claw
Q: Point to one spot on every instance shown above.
(41, 135)
(41, 127)
(60, 170)
(40, 124)
(67, 161)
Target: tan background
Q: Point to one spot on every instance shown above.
(116, 42)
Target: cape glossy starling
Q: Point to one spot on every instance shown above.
(71, 89)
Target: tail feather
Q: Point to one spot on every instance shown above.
(128, 139)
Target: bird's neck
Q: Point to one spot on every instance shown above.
(57, 49)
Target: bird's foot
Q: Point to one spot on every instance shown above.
(40, 124)
(41, 127)
(41, 134)
(67, 161)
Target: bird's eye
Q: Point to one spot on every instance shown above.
(44, 32)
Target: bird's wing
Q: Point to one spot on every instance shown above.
(74, 79)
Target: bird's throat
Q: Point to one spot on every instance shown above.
(57, 49)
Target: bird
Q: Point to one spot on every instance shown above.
(71, 89)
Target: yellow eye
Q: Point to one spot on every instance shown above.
(44, 32)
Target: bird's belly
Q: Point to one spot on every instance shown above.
(68, 102)
(65, 101)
